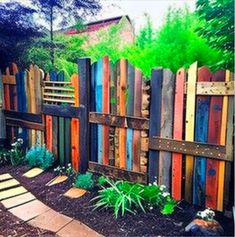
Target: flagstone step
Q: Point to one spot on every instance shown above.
(12, 192)
(9, 184)
(75, 192)
(18, 200)
(29, 210)
(5, 176)
(51, 220)
(57, 180)
(33, 172)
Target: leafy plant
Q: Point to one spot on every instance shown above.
(17, 154)
(62, 170)
(4, 157)
(101, 181)
(39, 156)
(123, 196)
(84, 181)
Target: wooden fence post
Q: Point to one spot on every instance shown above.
(2, 117)
(84, 71)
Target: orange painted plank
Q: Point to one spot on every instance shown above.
(178, 133)
(75, 127)
(122, 104)
(49, 132)
(105, 109)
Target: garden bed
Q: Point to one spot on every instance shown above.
(103, 221)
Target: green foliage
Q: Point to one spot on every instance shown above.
(175, 45)
(17, 154)
(123, 197)
(101, 181)
(40, 157)
(4, 157)
(62, 170)
(84, 181)
(217, 26)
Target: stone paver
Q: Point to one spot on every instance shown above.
(18, 200)
(57, 180)
(29, 210)
(77, 229)
(75, 192)
(5, 177)
(50, 220)
(12, 192)
(8, 184)
(33, 172)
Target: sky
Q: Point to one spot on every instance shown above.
(136, 9)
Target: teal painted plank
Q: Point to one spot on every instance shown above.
(98, 75)
(67, 141)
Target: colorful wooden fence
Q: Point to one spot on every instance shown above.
(176, 130)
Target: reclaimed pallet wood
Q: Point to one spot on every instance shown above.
(117, 95)
(75, 126)
(137, 99)
(122, 101)
(54, 138)
(99, 91)
(228, 183)
(61, 141)
(155, 121)
(166, 126)
(105, 109)
(130, 112)
(221, 169)
(189, 128)
(176, 187)
(67, 141)
(113, 110)
(7, 92)
(2, 116)
(214, 132)
(201, 135)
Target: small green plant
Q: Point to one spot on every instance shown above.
(123, 196)
(4, 157)
(101, 181)
(17, 154)
(84, 181)
(39, 156)
(65, 170)
(207, 215)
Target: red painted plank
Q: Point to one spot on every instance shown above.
(178, 133)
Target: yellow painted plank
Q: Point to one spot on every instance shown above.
(189, 128)
(12, 192)
(222, 142)
(8, 184)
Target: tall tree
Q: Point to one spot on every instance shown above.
(64, 12)
(17, 27)
(217, 26)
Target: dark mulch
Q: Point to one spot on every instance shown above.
(13, 226)
(103, 221)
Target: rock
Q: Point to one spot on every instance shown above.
(199, 227)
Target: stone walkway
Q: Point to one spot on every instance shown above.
(25, 206)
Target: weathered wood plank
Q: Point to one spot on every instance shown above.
(138, 123)
(37, 118)
(115, 172)
(155, 121)
(25, 124)
(166, 126)
(2, 115)
(217, 152)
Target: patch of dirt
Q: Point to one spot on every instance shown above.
(103, 221)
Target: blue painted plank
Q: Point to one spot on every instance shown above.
(98, 98)
(93, 131)
(201, 135)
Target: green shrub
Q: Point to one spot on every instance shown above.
(40, 157)
(101, 181)
(84, 181)
(123, 196)
(4, 157)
